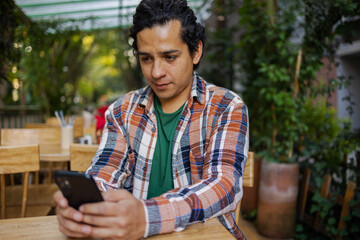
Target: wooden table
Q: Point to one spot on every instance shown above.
(47, 228)
(54, 154)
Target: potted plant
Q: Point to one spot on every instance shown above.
(271, 63)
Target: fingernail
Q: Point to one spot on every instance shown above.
(77, 216)
(62, 202)
(86, 229)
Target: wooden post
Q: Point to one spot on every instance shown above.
(304, 192)
(3, 198)
(349, 194)
(325, 188)
(25, 194)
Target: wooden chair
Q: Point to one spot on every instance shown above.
(40, 125)
(46, 137)
(248, 180)
(22, 200)
(81, 156)
(343, 201)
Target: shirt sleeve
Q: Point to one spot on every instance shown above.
(111, 165)
(220, 188)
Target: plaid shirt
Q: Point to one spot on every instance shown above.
(209, 153)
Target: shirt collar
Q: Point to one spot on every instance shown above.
(198, 89)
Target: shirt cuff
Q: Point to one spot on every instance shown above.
(160, 216)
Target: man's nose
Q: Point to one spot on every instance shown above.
(158, 69)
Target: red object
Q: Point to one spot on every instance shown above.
(100, 117)
(100, 121)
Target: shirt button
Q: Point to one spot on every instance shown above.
(144, 168)
(153, 129)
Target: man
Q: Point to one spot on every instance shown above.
(174, 151)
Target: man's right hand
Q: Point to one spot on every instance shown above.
(70, 219)
(121, 216)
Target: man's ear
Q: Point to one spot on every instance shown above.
(198, 53)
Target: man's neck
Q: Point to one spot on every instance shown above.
(170, 106)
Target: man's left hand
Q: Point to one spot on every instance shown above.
(120, 216)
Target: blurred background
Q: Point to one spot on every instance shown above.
(295, 63)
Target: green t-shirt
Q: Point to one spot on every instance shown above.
(161, 178)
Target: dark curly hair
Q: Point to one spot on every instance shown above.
(159, 12)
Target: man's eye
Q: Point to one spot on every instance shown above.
(145, 59)
(170, 58)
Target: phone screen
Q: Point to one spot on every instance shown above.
(77, 188)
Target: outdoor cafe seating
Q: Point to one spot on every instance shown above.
(42, 144)
(12, 159)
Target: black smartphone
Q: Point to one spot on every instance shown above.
(77, 188)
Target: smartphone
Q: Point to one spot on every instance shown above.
(77, 188)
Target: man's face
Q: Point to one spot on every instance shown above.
(167, 64)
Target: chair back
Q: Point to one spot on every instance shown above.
(20, 136)
(81, 156)
(18, 159)
(79, 127)
(52, 121)
(248, 175)
(40, 125)
(248, 180)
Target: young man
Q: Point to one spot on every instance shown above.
(174, 151)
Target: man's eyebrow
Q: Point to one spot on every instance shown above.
(169, 52)
(162, 53)
(143, 53)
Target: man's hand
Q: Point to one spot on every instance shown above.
(120, 216)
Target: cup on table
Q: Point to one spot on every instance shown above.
(67, 136)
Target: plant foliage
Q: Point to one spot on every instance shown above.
(272, 88)
(280, 55)
(51, 64)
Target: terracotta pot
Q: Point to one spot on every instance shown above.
(249, 202)
(278, 191)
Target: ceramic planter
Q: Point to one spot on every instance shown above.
(278, 191)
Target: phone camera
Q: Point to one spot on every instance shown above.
(67, 183)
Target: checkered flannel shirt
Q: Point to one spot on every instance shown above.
(209, 153)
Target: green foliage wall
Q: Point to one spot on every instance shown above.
(289, 117)
(52, 61)
(62, 67)
(272, 89)
(276, 93)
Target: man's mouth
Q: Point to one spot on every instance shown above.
(161, 85)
